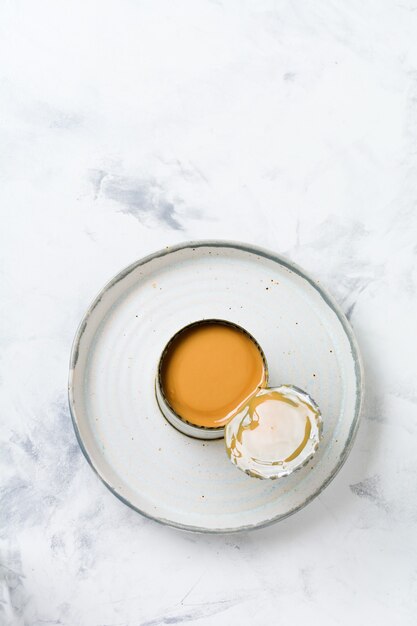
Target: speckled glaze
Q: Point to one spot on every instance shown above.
(148, 464)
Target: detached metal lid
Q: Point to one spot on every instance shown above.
(275, 433)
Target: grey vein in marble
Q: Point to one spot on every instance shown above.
(138, 197)
(13, 597)
(194, 613)
(370, 489)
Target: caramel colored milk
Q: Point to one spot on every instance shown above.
(209, 371)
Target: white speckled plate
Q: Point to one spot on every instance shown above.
(155, 469)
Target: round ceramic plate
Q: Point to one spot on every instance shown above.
(155, 469)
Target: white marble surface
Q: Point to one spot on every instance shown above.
(126, 126)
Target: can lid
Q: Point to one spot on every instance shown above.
(275, 433)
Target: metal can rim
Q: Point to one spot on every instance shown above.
(181, 424)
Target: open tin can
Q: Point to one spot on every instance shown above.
(179, 421)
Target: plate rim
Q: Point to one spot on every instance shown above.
(272, 256)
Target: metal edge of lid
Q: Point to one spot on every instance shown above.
(265, 469)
